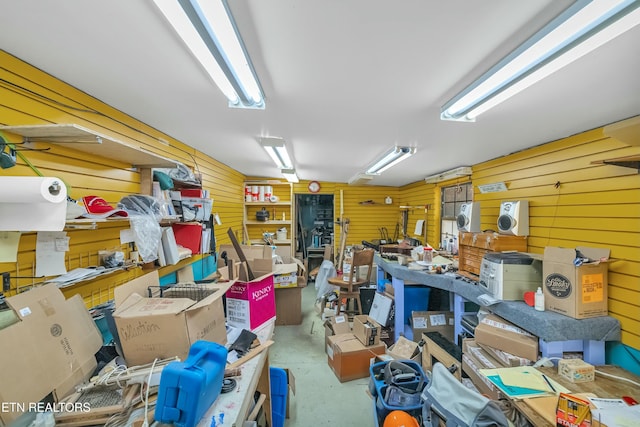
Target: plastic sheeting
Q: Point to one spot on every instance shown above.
(327, 271)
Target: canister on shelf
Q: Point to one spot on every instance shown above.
(427, 255)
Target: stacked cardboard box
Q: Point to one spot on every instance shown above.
(497, 344)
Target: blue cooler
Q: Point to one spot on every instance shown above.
(189, 388)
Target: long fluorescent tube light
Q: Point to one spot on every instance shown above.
(581, 28)
(389, 159)
(290, 175)
(277, 150)
(210, 33)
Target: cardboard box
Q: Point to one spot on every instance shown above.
(381, 308)
(578, 292)
(335, 325)
(262, 260)
(432, 321)
(288, 306)
(150, 328)
(366, 329)
(50, 349)
(496, 332)
(250, 304)
(471, 366)
(349, 358)
(404, 349)
(576, 370)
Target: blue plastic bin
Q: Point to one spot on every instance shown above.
(279, 389)
(416, 298)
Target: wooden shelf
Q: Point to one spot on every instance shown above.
(91, 142)
(626, 161)
(265, 204)
(269, 222)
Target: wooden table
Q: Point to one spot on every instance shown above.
(540, 411)
(231, 409)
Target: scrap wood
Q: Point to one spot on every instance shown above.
(250, 354)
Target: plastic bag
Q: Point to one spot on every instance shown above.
(327, 271)
(144, 216)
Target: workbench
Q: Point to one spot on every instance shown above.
(557, 333)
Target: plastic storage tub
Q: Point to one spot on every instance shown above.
(279, 389)
(416, 298)
(378, 389)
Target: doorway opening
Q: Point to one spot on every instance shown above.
(314, 227)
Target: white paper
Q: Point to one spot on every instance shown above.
(49, 261)
(127, 236)
(419, 225)
(9, 242)
(438, 320)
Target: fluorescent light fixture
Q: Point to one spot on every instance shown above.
(290, 175)
(581, 28)
(450, 174)
(209, 31)
(389, 159)
(277, 150)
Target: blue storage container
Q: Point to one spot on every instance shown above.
(378, 389)
(279, 390)
(189, 388)
(416, 298)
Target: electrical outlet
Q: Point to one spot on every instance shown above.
(6, 282)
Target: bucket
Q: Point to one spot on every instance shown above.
(281, 234)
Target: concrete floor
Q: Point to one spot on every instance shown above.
(320, 399)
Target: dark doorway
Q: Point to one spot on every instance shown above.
(314, 226)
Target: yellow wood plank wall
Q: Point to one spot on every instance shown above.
(364, 206)
(29, 96)
(575, 203)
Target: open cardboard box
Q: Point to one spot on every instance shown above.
(49, 350)
(150, 328)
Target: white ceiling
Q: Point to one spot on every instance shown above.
(344, 80)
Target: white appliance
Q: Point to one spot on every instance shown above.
(508, 275)
(469, 217)
(514, 218)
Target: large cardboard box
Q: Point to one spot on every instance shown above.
(150, 328)
(432, 321)
(335, 325)
(49, 349)
(575, 291)
(261, 260)
(288, 306)
(349, 358)
(366, 329)
(496, 332)
(250, 304)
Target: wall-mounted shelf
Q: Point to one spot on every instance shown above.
(626, 161)
(91, 142)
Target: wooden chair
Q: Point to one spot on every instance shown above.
(350, 289)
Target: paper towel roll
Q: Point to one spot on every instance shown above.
(32, 203)
(32, 189)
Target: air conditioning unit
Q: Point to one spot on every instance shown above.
(514, 218)
(469, 217)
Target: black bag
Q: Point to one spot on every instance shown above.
(262, 215)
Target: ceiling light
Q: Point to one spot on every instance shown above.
(581, 28)
(450, 174)
(277, 150)
(360, 179)
(390, 158)
(210, 33)
(290, 175)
